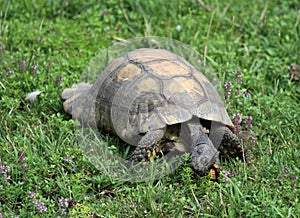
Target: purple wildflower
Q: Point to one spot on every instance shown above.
(239, 74)
(63, 211)
(5, 170)
(23, 168)
(293, 178)
(40, 206)
(33, 69)
(10, 71)
(228, 174)
(68, 159)
(248, 121)
(31, 195)
(22, 65)
(63, 202)
(247, 95)
(286, 170)
(253, 139)
(1, 215)
(237, 119)
(227, 86)
(248, 118)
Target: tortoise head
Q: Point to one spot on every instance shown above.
(203, 155)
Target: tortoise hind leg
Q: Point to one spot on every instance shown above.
(71, 95)
(80, 103)
(147, 142)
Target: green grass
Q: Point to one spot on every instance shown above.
(37, 140)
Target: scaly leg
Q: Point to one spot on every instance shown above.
(147, 142)
(226, 141)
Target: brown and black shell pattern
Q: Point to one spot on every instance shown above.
(148, 89)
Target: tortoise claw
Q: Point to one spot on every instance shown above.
(139, 154)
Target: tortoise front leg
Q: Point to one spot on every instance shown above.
(227, 142)
(231, 145)
(147, 142)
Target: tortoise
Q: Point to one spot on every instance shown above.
(143, 95)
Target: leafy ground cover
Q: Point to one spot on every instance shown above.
(45, 45)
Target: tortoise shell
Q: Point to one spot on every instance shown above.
(148, 89)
